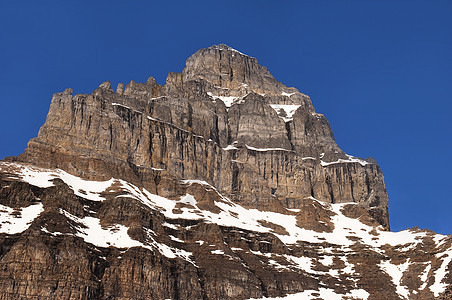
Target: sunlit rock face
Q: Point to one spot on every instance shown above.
(221, 184)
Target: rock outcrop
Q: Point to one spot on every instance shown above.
(225, 120)
(221, 184)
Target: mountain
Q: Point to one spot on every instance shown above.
(221, 184)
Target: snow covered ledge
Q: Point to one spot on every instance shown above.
(351, 159)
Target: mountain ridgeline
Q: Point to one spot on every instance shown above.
(221, 184)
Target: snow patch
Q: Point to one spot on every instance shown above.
(228, 100)
(230, 147)
(191, 181)
(16, 221)
(176, 239)
(326, 260)
(116, 236)
(322, 293)
(43, 178)
(303, 263)
(285, 111)
(438, 286)
(351, 159)
(117, 104)
(424, 276)
(288, 94)
(172, 226)
(92, 232)
(349, 268)
(266, 149)
(396, 273)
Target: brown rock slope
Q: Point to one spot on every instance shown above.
(221, 184)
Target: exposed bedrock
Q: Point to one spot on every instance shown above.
(226, 120)
(118, 242)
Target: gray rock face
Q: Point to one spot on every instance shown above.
(222, 168)
(224, 119)
(225, 67)
(256, 124)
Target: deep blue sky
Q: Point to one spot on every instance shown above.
(380, 71)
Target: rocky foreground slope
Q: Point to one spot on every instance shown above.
(221, 184)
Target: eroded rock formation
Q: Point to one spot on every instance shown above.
(221, 184)
(266, 148)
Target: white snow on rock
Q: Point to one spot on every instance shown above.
(438, 286)
(42, 178)
(302, 262)
(288, 94)
(322, 293)
(285, 111)
(191, 181)
(228, 100)
(172, 226)
(92, 232)
(16, 221)
(277, 265)
(116, 236)
(308, 158)
(230, 147)
(351, 159)
(229, 48)
(231, 214)
(347, 231)
(176, 239)
(117, 104)
(424, 277)
(396, 273)
(326, 260)
(266, 149)
(349, 268)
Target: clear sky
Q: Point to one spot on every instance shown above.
(380, 71)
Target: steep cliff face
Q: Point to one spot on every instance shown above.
(221, 184)
(225, 120)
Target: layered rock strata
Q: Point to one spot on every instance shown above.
(63, 237)
(226, 120)
(221, 184)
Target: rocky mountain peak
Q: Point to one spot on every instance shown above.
(227, 68)
(225, 47)
(221, 184)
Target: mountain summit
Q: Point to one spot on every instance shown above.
(221, 184)
(228, 68)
